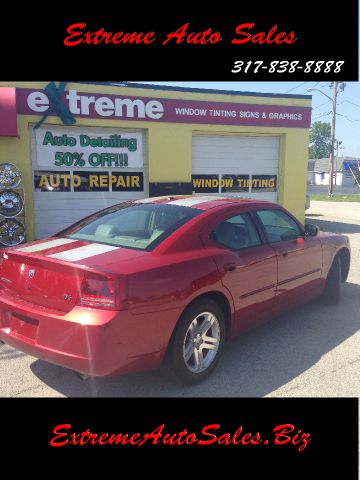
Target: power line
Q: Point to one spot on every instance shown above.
(294, 88)
(321, 105)
(347, 118)
(322, 114)
(352, 103)
(316, 84)
(319, 115)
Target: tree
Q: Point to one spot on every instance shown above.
(319, 140)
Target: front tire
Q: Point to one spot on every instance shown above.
(198, 341)
(331, 294)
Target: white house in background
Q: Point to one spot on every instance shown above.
(318, 171)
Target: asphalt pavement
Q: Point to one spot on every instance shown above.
(312, 351)
(338, 190)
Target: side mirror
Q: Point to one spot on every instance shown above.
(311, 230)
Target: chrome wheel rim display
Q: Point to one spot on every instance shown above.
(10, 175)
(201, 342)
(12, 232)
(11, 203)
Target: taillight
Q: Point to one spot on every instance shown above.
(102, 292)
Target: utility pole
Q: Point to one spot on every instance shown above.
(335, 86)
(332, 140)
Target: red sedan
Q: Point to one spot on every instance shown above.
(167, 279)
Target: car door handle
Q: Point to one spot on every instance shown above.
(285, 254)
(230, 267)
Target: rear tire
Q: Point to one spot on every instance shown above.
(198, 341)
(331, 294)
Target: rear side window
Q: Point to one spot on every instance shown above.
(236, 233)
(138, 226)
(278, 225)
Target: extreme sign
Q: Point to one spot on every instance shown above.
(91, 105)
(88, 181)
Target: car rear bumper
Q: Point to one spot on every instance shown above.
(96, 343)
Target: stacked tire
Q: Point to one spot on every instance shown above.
(12, 228)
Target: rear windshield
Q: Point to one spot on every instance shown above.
(138, 226)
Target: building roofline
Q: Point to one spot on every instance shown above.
(197, 90)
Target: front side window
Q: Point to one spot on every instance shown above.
(236, 233)
(139, 226)
(278, 226)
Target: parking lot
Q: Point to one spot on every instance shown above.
(338, 190)
(313, 351)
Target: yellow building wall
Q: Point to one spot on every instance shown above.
(169, 145)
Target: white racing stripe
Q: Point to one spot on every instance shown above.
(154, 199)
(45, 245)
(183, 202)
(83, 252)
(192, 201)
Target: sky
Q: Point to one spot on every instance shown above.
(348, 105)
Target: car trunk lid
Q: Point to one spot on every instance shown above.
(40, 282)
(49, 274)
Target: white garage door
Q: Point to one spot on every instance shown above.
(80, 170)
(241, 165)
